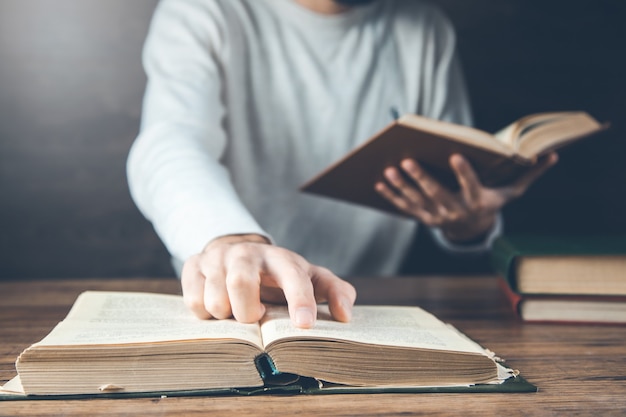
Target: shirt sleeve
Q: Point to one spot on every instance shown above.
(173, 168)
(474, 247)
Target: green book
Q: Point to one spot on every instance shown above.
(122, 344)
(564, 265)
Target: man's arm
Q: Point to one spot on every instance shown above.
(178, 183)
(174, 173)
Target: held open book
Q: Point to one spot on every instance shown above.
(142, 344)
(497, 158)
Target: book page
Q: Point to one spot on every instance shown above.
(554, 133)
(512, 133)
(537, 133)
(383, 325)
(459, 133)
(13, 387)
(124, 317)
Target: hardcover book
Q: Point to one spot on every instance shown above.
(497, 158)
(578, 309)
(117, 344)
(565, 265)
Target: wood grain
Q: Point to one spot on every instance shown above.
(580, 370)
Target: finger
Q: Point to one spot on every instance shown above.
(243, 284)
(391, 196)
(216, 300)
(410, 192)
(417, 211)
(192, 283)
(431, 188)
(445, 206)
(295, 279)
(467, 178)
(339, 293)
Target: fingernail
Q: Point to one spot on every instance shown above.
(456, 159)
(408, 164)
(304, 317)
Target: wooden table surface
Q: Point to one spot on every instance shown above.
(580, 370)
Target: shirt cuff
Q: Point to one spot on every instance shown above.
(472, 248)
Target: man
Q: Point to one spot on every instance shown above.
(247, 99)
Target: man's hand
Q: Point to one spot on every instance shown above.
(233, 274)
(464, 215)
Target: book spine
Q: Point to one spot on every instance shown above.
(516, 302)
(513, 298)
(275, 381)
(265, 365)
(502, 259)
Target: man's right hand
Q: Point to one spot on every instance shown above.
(234, 274)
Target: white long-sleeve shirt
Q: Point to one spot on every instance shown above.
(248, 99)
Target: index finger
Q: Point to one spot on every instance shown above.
(467, 178)
(296, 284)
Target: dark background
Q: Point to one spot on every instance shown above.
(71, 85)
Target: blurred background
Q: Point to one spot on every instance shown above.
(71, 85)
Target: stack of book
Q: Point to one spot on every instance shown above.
(563, 279)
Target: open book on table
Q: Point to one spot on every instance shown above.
(497, 158)
(141, 344)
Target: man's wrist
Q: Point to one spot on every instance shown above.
(468, 248)
(239, 238)
(467, 236)
(464, 240)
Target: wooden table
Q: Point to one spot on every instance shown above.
(580, 370)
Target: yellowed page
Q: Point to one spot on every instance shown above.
(459, 133)
(383, 325)
(124, 317)
(570, 275)
(554, 133)
(12, 387)
(511, 134)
